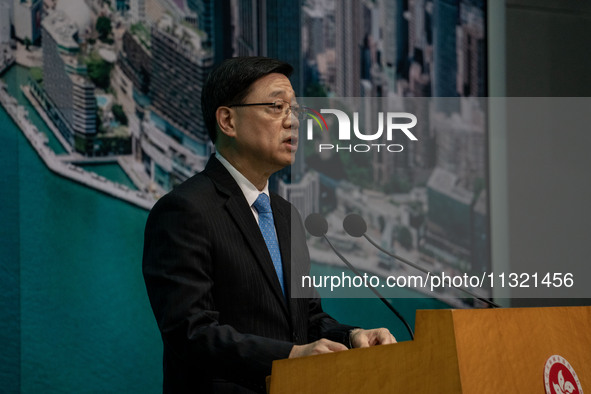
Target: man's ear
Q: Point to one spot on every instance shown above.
(225, 119)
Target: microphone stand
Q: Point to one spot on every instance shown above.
(476, 296)
(373, 289)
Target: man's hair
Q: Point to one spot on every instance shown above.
(230, 83)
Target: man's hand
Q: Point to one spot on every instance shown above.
(366, 338)
(321, 346)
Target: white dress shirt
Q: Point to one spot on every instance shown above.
(251, 193)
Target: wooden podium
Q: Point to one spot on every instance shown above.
(454, 351)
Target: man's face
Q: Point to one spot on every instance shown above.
(266, 141)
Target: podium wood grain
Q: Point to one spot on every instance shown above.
(454, 351)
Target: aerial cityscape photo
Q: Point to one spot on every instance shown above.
(100, 117)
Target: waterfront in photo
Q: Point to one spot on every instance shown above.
(85, 323)
(67, 165)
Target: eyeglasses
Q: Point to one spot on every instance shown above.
(279, 107)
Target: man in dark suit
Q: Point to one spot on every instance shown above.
(218, 263)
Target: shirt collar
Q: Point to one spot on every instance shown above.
(251, 193)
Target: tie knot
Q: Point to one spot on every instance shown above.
(262, 204)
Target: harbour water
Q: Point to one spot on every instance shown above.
(74, 314)
(77, 315)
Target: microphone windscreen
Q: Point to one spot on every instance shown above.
(316, 224)
(354, 225)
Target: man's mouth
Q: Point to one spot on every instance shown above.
(292, 141)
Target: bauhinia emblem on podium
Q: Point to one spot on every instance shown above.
(560, 377)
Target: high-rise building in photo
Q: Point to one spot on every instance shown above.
(394, 31)
(446, 13)
(135, 59)
(27, 19)
(4, 22)
(137, 9)
(348, 31)
(471, 51)
(179, 67)
(214, 19)
(271, 28)
(168, 73)
(70, 92)
(318, 47)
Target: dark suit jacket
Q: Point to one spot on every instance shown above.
(214, 291)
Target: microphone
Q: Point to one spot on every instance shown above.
(317, 226)
(355, 226)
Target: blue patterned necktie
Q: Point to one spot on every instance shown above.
(263, 207)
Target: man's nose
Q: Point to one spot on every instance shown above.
(291, 121)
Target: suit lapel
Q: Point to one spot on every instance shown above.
(283, 227)
(242, 215)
